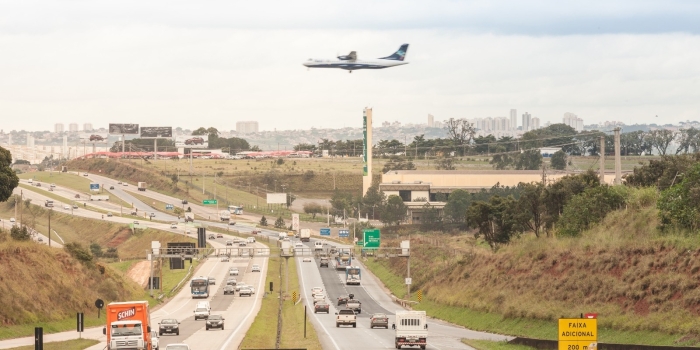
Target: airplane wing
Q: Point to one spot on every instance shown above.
(352, 56)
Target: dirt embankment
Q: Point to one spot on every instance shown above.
(140, 272)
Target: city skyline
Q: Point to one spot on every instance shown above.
(97, 64)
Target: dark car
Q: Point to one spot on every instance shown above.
(215, 321)
(322, 306)
(379, 320)
(169, 325)
(96, 138)
(229, 289)
(324, 262)
(343, 299)
(195, 141)
(111, 187)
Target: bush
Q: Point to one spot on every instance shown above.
(279, 223)
(19, 234)
(263, 221)
(590, 207)
(77, 251)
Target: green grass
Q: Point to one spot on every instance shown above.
(74, 182)
(293, 318)
(493, 345)
(262, 332)
(75, 344)
(123, 266)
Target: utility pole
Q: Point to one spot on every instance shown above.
(602, 159)
(50, 227)
(618, 160)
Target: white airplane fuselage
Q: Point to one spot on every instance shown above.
(352, 65)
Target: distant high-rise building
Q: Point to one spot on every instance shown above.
(87, 127)
(58, 127)
(431, 121)
(535, 123)
(513, 119)
(73, 127)
(501, 124)
(247, 127)
(573, 121)
(527, 118)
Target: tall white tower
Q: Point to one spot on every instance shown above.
(367, 150)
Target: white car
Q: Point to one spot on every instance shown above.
(244, 290)
(125, 184)
(224, 258)
(53, 185)
(239, 285)
(307, 259)
(252, 289)
(66, 207)
(85, 174)
(255, 268)
(173, 225)
(233, 271)
(316, 290)
(12, 219)
(298, 245)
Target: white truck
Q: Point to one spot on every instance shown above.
(224, 215)
(411, 329)
(141, 186)
(305, 234)
(346, 317)
(99, 197)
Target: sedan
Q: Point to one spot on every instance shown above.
(343, 299)
(111, 187)
(212, 280)
(224, 258)
(255, 268)
(219, 235)
(322, 306)
(245, 290)
(169, 325)
(229, 290)
(233, 271)
(379, 320)
(240, 285)
(316, 290)
(231, 282)
(109, 214)
(307, 260)
(215, 321)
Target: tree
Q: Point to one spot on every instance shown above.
(341, 201)
(456, 207)
(313, 209)
(588, 208)
(495, 220)
(660, 139)
(558, 194)
(688, 140)
(662, 173)
(255, 149)
(531, 207)
(678, 205)
(77, 251)
(290, 199)
(19, 234)
(8, 178)
(528, 160)
(444, 163)
(461, 132)
(373, 198)
(398, 163)
(394, 211)
(21, 161)
(279, 223)
(305, 147)
(558, 160)
(263, 221)
(96, 249)
(430, 219)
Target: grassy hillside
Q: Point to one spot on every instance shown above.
(643, 284)
(42, 284)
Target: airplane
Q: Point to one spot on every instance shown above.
(350, 62)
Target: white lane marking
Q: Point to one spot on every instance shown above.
(235, 331)
(303, 287)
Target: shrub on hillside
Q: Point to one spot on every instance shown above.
(678, 204)
(279, 223)
(77, 251)
(589, 208)
(19, 234)
(263, 221)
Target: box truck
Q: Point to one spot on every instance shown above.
(305, 234)
(141, 186)
(224, 215)
(411, 329)
(128, 326)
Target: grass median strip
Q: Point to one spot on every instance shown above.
(479, 344)
(74, 344)
(262, 333)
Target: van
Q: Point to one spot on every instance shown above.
(251, 239)
(318, 245)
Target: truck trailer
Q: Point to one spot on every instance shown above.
(305, 234)
(128, 326)
(224, 215)
(141, 186)
(411, 329)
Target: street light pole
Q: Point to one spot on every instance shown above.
(50, 226)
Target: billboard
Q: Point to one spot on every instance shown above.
(192, 141)
(295, 222)
(94, 138)
(124, 129)
(276, 198)
(155, 132)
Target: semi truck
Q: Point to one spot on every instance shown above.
(225, 215)
(99, 197)
(128, 326)
(305, 234)
(343, 260)
(411, 329)
(141, 186)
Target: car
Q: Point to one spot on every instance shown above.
(251, 239)
(219, 235)
(12, 219)
(212, 237)
(319, 297)
(316, 290)
(379, 320)
(184, 201)
(96, 138)
(109, 214)
(134, 212)
(231, 282)
(212, 280)
(245, 290)
(66, 207)
(194, 141)
(173, 225)
(215, 321)
(343, 299)
(152, 215)
(39, 239)
(119, 183)
(252, 289)
(111, 187)
(307, 259)
(178, 346)
(231, 223)
(322, 306)
(239, 285)
(85, 174)
(52, 185)
(224, 258)
(241, 244)
(255, 268)
(75, 206)
(136, 222)
(324, 262)
(125, 184)
(255, 232)
(229, 242)
(298, 245)
(233, 271)
(169, 325)
(187, 232)
(229, 290)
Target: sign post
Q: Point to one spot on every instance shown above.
(295, 223)
(80, 325)
(578, 333)
(343, 233)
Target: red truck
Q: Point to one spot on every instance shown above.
(128, 326)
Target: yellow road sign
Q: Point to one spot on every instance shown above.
(420, 296)
(294, 296)
(578, 333)
(577, 345)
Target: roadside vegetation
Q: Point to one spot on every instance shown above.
(75, 344)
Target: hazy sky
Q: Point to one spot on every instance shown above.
(212, 63)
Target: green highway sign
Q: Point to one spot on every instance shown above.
(209, 201)
(371, 238)
(360, 243)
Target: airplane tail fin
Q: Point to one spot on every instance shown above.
(398, 55)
